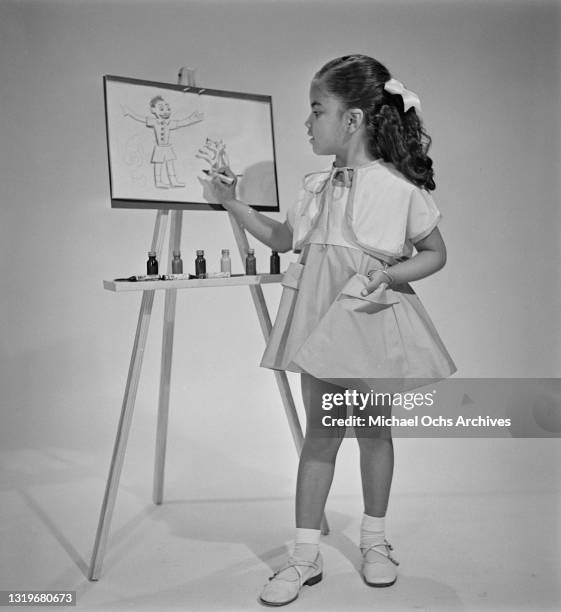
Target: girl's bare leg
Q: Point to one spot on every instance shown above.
(376, 469)
(317, 459)
(376, 466)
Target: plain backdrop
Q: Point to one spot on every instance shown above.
(488, 77)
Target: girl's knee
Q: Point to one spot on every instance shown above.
(322, 446)
(313, 392)
(375, 439)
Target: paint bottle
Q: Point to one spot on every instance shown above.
(152, 264)
(275, 263)
(176, 263)
(200, 264)
(226, 262)
(250, 263)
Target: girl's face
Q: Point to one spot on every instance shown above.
(326, 124)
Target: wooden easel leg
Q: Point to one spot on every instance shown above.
(127, 410)
(165, 373)
(186, 76)
(294, 424)
(122, 435)
(281, 378)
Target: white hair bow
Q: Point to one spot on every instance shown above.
(410, 98)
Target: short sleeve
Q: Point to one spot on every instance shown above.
(291, 212)
(290, 215)
(423, 215)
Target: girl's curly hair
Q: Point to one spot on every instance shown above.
(394, 135)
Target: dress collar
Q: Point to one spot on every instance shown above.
(337, 174)
(344, 174)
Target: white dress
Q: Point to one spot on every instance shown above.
(324, 327)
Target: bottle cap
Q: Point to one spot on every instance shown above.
(225, 251)
(151, 253)
(177, 254)
(200, 253)
(275, 252)
(250, 251)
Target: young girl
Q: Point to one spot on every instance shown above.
(348, 317)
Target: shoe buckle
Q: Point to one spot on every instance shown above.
(387, 554)
(295, 566)
(390, 547)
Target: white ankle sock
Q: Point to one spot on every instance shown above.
(372, 531)
(306, 545)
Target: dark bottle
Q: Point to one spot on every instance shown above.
(176, 263)
(250, 263)
(152, 264)
(275, 263)
(200, 265)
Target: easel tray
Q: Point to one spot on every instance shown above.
(196, 283)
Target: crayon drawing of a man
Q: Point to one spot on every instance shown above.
(162, 124)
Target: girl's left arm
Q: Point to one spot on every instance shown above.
(430, 257)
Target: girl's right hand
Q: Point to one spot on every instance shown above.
(217, 190)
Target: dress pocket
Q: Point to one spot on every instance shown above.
(276, 355)
(350, 297)
(356, 338)
(292, 275)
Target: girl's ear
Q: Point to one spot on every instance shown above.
(354, 119)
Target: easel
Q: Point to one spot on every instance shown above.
(187, 78)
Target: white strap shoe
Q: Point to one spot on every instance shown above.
(286, 583)
(378, 566)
